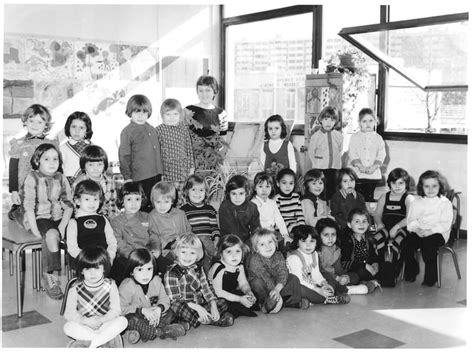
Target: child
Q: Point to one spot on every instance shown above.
(391, 213)
(277, 151)
(367, 154)
(175, 144)
(130, 228)
(304, 263)
(357, 253)
(237, 215)
(166, 223)
(288, 200)
(315, 205)
(89, 229)
(78, 129)
(144, 301)
(139, 150)
(47, 207)
(37, 121)
(207, 124)
(192, 299)
(346, 198)
(93, 304)
(269, 277)
(202, 217)
(229, 280)
(330, 261)
(94, 164)
(429, 221)
(325, 147)
(267, 208)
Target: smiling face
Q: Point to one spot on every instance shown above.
(286, 184)
(347, 184)
(78, 130)
(187, 256)
(238, 196)
(265, 246)
(398, 187)
(232, 255)
(205, 94)
(263, 190)
(143, 274)
(359, 224)
(49, 162)
(88, 203)
(35, 125)
(328, 236)
(431, 187)
(274, 130)
(93, 275)
(316, 187)
(197, 193)
(132, 203)
(307, 246)
(171, 117)
(367, 123)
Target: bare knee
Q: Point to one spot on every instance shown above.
(52, 240)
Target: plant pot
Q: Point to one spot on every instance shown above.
(347, 60)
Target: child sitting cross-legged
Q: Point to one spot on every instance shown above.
(192, 298)
(144, 301)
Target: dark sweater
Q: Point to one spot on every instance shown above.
(240, 220)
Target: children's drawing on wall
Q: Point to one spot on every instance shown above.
(330, 96)
(312, 100)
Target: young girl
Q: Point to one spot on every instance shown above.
(139, 150)
(202, 217)
(89, 229)
(314, 203)
(130, 228)
(207, 123)
(144, 301)
(330, 261)
(367, 153)
(237, 215)
(429, 222)
(277, 151)
(175, 144)
(325, 147)
(228, 277)
(78, 129)
(269, 277)
(192, 299)
(37, 121)
(346, 198)
(288, 200)
(93, 304)
(94, 164)
(47, 207)
(391, 212)
(304, 263)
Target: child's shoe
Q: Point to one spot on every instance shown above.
(52, 286)
(186, 325)
(11, 212)
(360, 289)
(278, 306)
(371, 285)
(269, 305)
(304, 303)
(78, 344)
(338, 299)
(173, 331)
(226, 320)
(132, 336)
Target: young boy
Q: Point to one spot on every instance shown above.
(139, 151)
(166, 223)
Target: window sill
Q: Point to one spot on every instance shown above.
(433, 138)
(298, 128)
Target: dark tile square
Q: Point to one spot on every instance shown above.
(368, 339)
(463, 302)
(29, 319)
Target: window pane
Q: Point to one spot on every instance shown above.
(399, 13)
(410, 109)
(266, 64)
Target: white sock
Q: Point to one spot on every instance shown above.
(357, 289)
(278, 306)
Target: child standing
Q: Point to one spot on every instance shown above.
(346, 198)
(78, 129)
(175, 144)
(139, 150)
(166, 223)
(315, 205)
(269, 277)
(201, 216)
(304, 263)
(325, 147)
(89, 229)
(367, 153)
(192, 299)
(93, 304)
(237, 215)
(144, 301)
(37, 121)
(94, 164)
(267, 208)
(429, 221)
(229, 280)
(277, 151)
(207, 124)
(47, 206)
(288, 200)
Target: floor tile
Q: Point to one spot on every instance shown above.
(29, 319)
(368, 339)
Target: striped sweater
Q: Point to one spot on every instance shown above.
(291, 209)
(203, 220)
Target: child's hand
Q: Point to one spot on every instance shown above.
(91, 322)
(246, 300)
(328, 288)
(371, 169)
(370, 269)
(16, 198)
(323, 291)
(275, 294)
(204, 316)
(344, 279)
(151, 315)
(375, 266)
(214, 312)
(287, 239)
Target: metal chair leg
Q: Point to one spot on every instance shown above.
(33, 269)
(10, 260)
(66, 291)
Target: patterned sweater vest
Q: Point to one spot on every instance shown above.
(93, 302)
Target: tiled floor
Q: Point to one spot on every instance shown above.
(407, 316)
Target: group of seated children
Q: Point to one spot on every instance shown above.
(176, 262)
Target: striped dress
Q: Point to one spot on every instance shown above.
(290, 209)
(203, 220)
